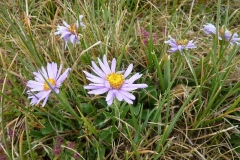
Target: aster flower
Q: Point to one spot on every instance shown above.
(70, 31)
(53, 82)
(209, 29)
(106, 79)
(226, 35)
(232, 38)
(180, 45)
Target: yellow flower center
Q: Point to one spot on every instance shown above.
(50, 81)
(221, 32)
(73, 29)
(182, 42)
(116, 80)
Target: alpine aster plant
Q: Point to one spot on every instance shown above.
(70, 32)
(106, 79)
(46, 81)
(180, 45)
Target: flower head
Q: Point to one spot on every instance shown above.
(46, 81)
(231, 37)
(209, 29)
(106, 79)
(69, 31)
(223, 34)
(180, 45)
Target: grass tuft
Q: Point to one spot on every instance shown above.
(190, 109)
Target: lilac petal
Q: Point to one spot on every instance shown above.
(45, 100)
(76, 40)
(171, 50)
(105, 62)
(127, 99)
(133, 78)
(113, 65)
(44, 73)
(32, 84)
(65, 24)
(191, 45)
(180, 47)
(63, 76)
(128, 71)
(93, 78)
(59, 71)
(66, 34)
(42, 95)
(98, 91)
(81, 23)
(127, 94)
(73, 38)
(65, 45)
(102, 75)
(80, 17)
(110, 101)
(37, 88)
(66, 39)
(110, 95)
(49, 70)
(103, 67)
(61, 30)
(33, 97)
(57, 32)
(34, 101)
(118, 95)
(172, 42)
(97, 70)
(54, 70)
(133, 87)
(93, 87)
(38, 77)
(102, 81)
(56, 90)
(97, 84)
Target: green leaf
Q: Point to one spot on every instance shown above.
(48, 129)
(103, 135)
(136, 109)
(86, 108)
(37, 134)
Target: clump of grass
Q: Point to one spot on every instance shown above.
(190, 109)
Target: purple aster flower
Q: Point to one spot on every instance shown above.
(115, 83)
(232, 38)
(222, 34)
(54, 81)
(209, 29)
(180, 45)
(70, 31)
